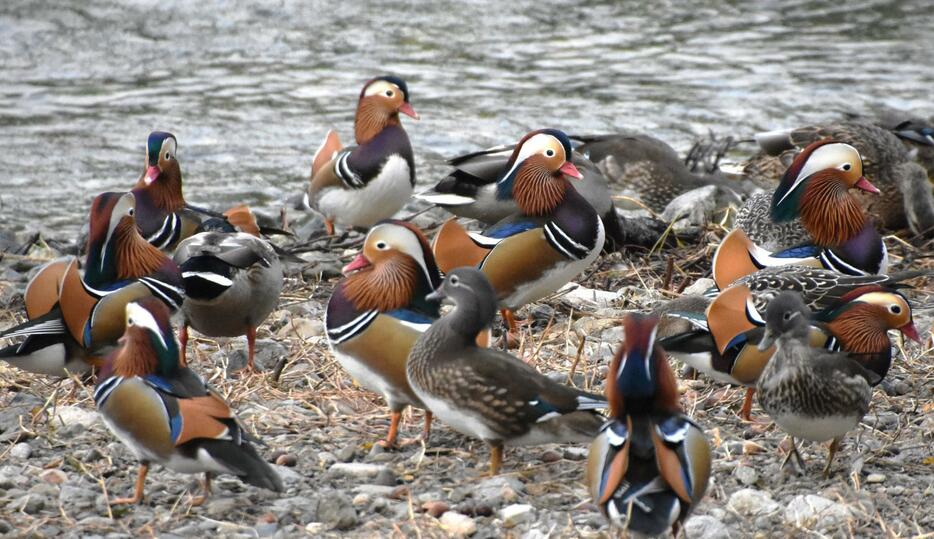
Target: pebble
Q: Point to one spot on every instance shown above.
(29, 504)
(54, 476)
(496, 491)
(21, 450)
(699, 286)
(68, 415)
(706, 527)
(875, 478)
(286, 460)
(457, 524)
(576, 453)
(289, 476)
(347, 453)
(551, 456)
(303, 328)
(750, 502)
(515, 514)
(435, 508)
(337, 511)
(361, 471)
(219, 508)
(816, 513)
(382, 491)
(361, 500)
(747, 475)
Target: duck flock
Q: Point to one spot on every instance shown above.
(800, 312)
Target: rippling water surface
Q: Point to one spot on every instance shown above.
(250, 90)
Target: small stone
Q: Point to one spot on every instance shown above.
(498, 490)
(361, 500)
(699, 286)
(816, 512)
(435, 508)
(326, 459)
(752, 448)
(219, 508)
(266, 529)
(361, 471)
(336, 510)
(21, 450)
(374, 491)
(286, 460)
(576, 453)
(54, 476)
(875, 478)
(747, 475)
(551, 456)
(475, 509)
(515, 514)
(347, 453)
(5, 527)
(289, 476)
(457, 524)
(303, 328)
(76, 415)
(706, 527)
(751, 502)
(29, 504)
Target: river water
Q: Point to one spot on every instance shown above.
(250, 90)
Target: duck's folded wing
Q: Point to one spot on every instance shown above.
(683, 456)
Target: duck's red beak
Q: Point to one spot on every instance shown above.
(911, 332)
(357, 263)
(406, 108)
(568, 169)
(864, 185)
(152, 173)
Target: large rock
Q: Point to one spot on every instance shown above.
(458, 525)
(816, 513)
(376, 474)
(750, 502)
(515, 514)
(706, 527)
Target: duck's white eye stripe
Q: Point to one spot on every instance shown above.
(140, 317)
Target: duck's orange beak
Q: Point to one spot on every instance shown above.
(864, 185)
(568, 169)
(357, 263)
(911, 332)
(152, 173)
(406, 108)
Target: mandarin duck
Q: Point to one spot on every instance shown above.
(379, 309)
(486, 393)
(165, 414)
(162, 215)
(74, 320)
(810, 393)
(650, 171)
(906, 197)
(360, 185)
(474, 190)
(852, 313)
(650, 464)
(232, 276)
(555, 237)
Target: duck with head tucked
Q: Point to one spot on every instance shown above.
(379, 309)
(165, 414)
(489, 394)
(650, 464)
(75, 319)
(360, 185)
(810, 393)
(556, 236)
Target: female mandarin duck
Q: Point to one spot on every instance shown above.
(810, 393)
(489, 394)
(378, 311)
(650, 464)
(556, 236)
(363, 184)
(162, 215)
(811, 215)
(232, 277)
(850, 313)
(75, 319)
(164, 413)
(889, 152)
(472, 190)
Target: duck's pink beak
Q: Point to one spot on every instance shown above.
(865, 185)
(911, 332)
(568, 169)
(152, 173)
(357, 263)
(406, 108)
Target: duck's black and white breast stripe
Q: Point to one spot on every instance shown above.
(168, 233)
(563, 242)
(346, 174)
(351, 329)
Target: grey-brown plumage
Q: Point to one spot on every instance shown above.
(490, 394)
(809, 392)
(755, 219)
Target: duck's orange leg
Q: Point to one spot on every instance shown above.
(745, 413)
(138, 492)
(394, 418)
(183, 344)
(512, 333)
(496, 458)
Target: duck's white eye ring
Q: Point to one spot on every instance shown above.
(454, 280)
(846, 166)
(130, 211)
(895, 309)
(549, 153)
(129, 321)
(168, 155)
(382, 245)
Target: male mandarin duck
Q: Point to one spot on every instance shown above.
(232, 276)
(162, 215)
(650, 464)
(556, 236)
(75, 319)
(165, 414)
(363, 184)
(810, 393)
(648, 170)
(473, 190)
(486, 393)
(378, 311)
(906, 197)
(852, 313)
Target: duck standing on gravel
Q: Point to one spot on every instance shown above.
(529, 255)
(164, 413)
(810, 393)
(379, 309)
(233, 278)
(75, 319)
(363, 184)
(489, 394)
(850, 313)
(650, 464)
(162, 215)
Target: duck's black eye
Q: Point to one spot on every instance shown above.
(129, 321)
(130, 212)
(847, 166)
(549, 153)
(787, 316)
(390, 93)
(382, 245)
(168, 155)
(895, 309)
(454, 280)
